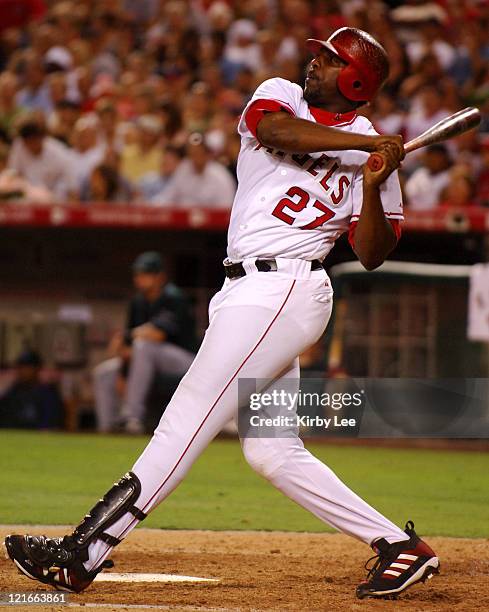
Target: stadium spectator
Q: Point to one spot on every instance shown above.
(430, 37)
(14, 188)
(159, 338)
(198, 180)
(29, 402)
(242, 50)
(466, 149)
(61, 122)
(34, 95)
(427, 109)
(198, 108)
(172, 124)
(63, 80)
(9, 109)
(109, 133)
(57, 90)
(84, 84)
(387, 117)
(104, 185)
(235, 98)
(44, 36)
(154, 184)
(399, 64)
(87, 151)
(427, 71)
(425, 185)
(143, 156)
(4, 154)
(460, 190)
(218, 17)
(414, 13)
(43, 161)
(58, 59)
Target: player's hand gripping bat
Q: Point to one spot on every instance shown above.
(456, 124)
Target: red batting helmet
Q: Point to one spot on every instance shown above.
(367, 62)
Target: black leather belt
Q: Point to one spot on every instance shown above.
(236, 270)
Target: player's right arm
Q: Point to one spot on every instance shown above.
(280, 130)
(375, 236)
(271, 117)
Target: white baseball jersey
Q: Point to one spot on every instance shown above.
(296, 206)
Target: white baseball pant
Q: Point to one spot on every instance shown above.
(258, 325)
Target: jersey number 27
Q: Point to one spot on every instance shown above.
(298, 205)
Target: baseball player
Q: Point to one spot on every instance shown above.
(303, 181)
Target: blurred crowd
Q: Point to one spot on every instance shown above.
(137, 102)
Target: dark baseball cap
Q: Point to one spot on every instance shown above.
(149, 262)
(29, 357)
(31, 129)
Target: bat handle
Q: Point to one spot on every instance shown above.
(375, 162)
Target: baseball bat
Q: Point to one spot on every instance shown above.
(456, 124)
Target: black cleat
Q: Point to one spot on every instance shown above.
(59, 561)
(54, 561)
(398, 566)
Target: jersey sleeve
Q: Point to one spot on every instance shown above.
(390, 190)
(272, 95)
(391, 198)
(396, 226)
(390, 195)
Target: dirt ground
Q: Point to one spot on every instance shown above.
(264, 572)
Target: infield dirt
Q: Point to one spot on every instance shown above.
(265, 571)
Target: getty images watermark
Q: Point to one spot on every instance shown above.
(267, 408)
(276, 409)
(364, 407)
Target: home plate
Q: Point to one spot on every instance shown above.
(128, 577)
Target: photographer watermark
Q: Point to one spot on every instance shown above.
(365, 408)
(274, 409)
(279, 400)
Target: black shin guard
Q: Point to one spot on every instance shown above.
(115, 503)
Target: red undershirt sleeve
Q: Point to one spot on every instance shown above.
(258, 109)
(396, 226)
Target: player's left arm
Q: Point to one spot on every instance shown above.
(375, 236)
(163, 326)
(148, 332)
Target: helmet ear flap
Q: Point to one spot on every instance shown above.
(351, 84)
